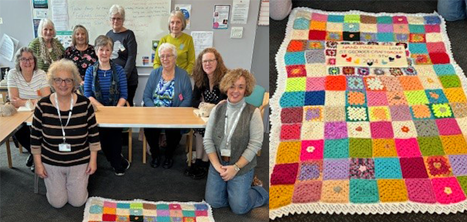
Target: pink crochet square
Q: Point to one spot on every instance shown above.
(448, 126)
(447, 190)
(381, 130)
(312, 149)
(319, 17)
(307, 192)
(315, 83)
(407, 147)
(432, 28)
(435, 47)
(284, 173)
(375, 98)
(290, 131)
(420, 190)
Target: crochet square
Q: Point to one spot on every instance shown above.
(396, 71)
(385, 28)
(280, 195)
(379, 113)
(455, 95)
(444, 69)
(439, 57)
(291, 115)
(384, 20)
(430, 146)
(360, 148)
(417, 38)
(315, 70)
(319, 17)
(419, 48)
(351, 27)
(288, 152)
(290, 131)
(429, 82)
(335, 27)
(404, 129)
(314, 98)
(416, 97)
(388, 168)
(334, 36)
(313, 113)
(436, 96)
(451, 81)
(434, 37)
(374, 84)
(407, 147)
(356, 113)
(315, 56)
(442, 110)
(295, 84)
(362, 168)
(333, 70)
(436, 47)
(296, 45)
(410, 83)
(368, 19)
(335, 191)
(334, 113)
(307, 192)
(335, 18)
(335, 98)
(303, 14)
(313, 45)
(317, 35)
(463, 182)
(363, 71)
(417, 28)
(368, 37)
(392, 83)
(410, 71)
(400, 113)
(348, 70)
(292, 99)
(296, 71)
(376, 98)
(413, 167)
(420, 190)
(381, 130)
(432, 20)
(392, 190)
(336, 148)
(401, 28)
(426, 128)
(420, 112)
(301, 23)
(401, 37)
(317, 25)
(384, 148)
(458, 164)
(363, 191)
(300, 34)
(310, 170)
(415, 20)
(336, 169)
(368, 28)
(448, 126)
(351, 36)
(396, 98)
(447, 190)
(454, 144)
(351, 18)
(355, 83)
(355, 98)
(284, 174)
(312, 130)
(385, 36)
(432, 28)
(460, 111)
(358, 129)
(335, 83)
(294, 58)
(335, 130)
(312, 150)
(425, 71)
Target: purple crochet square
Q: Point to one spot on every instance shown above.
(336, 169)
(335, 130)
(385, 28)
(458, 164)
(400, 113)
(362, 168)
(284, 173)
(310, 170)
(307, 192)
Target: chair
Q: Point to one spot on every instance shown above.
(260, 99)
(189, 146)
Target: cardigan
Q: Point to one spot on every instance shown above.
(182, 91)
(56, 54)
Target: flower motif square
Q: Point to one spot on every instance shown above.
(332, 62)
(313, 113)
(355, 83)
(384, 148)
(334, 36)
(295, 84)
(362, 168)
(404, 129)
(310, 170)
(363, 191)
(396, 98)
(307, 192)
(335, 191)
(401, 37)
(291, 115)
(284, 174)
(351, 36)
(417, 38)
(355, 98)
(334, 113)
(420, 112)
(296, 46)
(438, 166)
(413, 167)
(288, 152)
(359, 129)
(381, 130)
(335, 98)
(335, 130)
(363, 71)
(448, 126)
(376, 98)
(425, 71)
(400, 113)
(401, 28)
(336, 169)
(356, 113)
(338, 148)
(348, 70)
(458, 164)
(312, 130)
(420, 190)
(430, 82)
(447, 190)
(312, 45)
(421, 59)
(416, 97)
(441, 110)
(315, 83)
(436, 96)
(351, 27)
(379, 113)
(368, 37)
(296, 71)
(392, 190)
(407, 147)
(331, 52)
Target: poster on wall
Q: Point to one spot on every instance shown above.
(35, 23)
(186, 10)
(221, 17)
(64, 37)
(240, 11)
(40, 4)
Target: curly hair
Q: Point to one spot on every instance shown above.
(64, 65)
(199, 75)
(233, 75)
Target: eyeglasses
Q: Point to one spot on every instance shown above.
(116, 19)
(209, 61)
(25, 60)
(165, 56)
(59, 81)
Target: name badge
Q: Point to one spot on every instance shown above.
(225, 152)
(64, 147)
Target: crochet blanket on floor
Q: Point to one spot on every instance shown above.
(102, 209)
(370, 116)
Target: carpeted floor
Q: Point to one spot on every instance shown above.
(19, 203)
(456, 31)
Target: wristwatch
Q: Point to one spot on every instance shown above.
(236, 168)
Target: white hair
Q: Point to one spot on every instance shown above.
(117, 9)
(45, 22)
(165, 46)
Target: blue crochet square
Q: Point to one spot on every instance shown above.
(336, 148)
(436, 96)
(368, 37)
(294, 58)
(401, 37)
(315, 56)
(351, 27)
(418, 48)
(388, 168)
(417, 28)
(444, 69)
(385, 36)
(432, 20)
(335, 18)
(301, 23)
(384, 20)
(314, 98)
(292, 99)
(363, 191)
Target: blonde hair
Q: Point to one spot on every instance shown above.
(67, 66)
(75, 30)
(117, 9)
(233, 75)
(45, 22)
(179, 14)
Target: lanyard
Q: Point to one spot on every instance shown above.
(60, 116)
(229, 134)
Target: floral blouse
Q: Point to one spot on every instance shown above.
(82, 59)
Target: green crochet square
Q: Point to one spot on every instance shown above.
(360, 148)
(450, 81)
(296, 84)
(430, 146)
(463, 182)
(352, 18)
(363, 191)
(416, 97)
(336, 148)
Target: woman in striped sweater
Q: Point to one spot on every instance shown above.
(65, 138)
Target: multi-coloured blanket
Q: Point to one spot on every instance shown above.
(370, 116)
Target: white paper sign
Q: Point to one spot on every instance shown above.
(60, 14)
(39, 13)
(202, 40)
(8, 46)
(240, 11)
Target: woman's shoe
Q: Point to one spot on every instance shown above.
(30, 160)
(156, 162)
(168, 163)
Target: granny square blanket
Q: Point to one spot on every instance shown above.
(370, 116)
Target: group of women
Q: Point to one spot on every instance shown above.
(64, 137)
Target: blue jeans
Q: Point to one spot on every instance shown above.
(452, 10)
(236, 193)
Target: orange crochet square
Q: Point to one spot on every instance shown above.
(288, 152)
(316, 25)
(296, 46)
(335, 191)
(392, 190)
(454, 144)
(355, 98)
(384, 148)
(109, 210)
(455, 95)
(410, 83)
(437, 166)
(280, 195)
(337, 83)
(421, 111)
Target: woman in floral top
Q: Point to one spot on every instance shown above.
(81, 52)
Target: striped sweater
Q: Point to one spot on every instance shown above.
(81, 133)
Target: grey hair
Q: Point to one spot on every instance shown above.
(67, 66)
(44, 22)
(103, 40)
(18, 55)
(179, 14)
(117, 9)
(165, 46)
(75, 30)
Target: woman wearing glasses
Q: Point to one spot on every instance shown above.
(26, 85)
(65, 138)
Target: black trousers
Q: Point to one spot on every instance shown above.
(173, 138)
(23, 135)
(131, 94)
(111, 144)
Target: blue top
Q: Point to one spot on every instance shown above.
(182, 88)
(105, 81)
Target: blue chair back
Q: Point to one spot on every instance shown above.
(256, 98)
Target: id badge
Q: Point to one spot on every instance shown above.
(225, 152)
(64, 147)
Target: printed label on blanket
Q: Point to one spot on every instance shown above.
(370, 116)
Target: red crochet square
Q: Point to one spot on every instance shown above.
(296, 71)
(337, 83)
(284, 174)
(413, 167)
(439, 58)
(317, 35)
(432, 28)
(292, 115)
(296, 45)
(434, 47)
(290, 132)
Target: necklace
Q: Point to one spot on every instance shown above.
(105, 73)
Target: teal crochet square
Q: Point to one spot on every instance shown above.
(336, 148)
(388, 168)
(294, 58)
(363, 191)
(384, 20)
(418, 48)
(335, 18)
(444, 69)
(417, 28)
(385, 36)
(292, 99)
(351, 27)
(301, 23)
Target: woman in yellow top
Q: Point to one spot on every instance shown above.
(183, 43)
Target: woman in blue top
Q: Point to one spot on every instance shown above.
(105, 84)
(167, 86)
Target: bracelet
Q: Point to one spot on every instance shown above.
(236, 168)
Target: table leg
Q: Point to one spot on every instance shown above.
(144, 148)
(8, 153)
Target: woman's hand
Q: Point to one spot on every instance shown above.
(229, 172)
(92, 167)
(40, 170)
(17, 102)
(218, 168)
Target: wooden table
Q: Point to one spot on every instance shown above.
(8, 126)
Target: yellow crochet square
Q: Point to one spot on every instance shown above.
(296, 84)
(424, 70)
(335, 191)
(364, 27)
(312, 131)
(379, 113)
(454, 144)
(415, 20)
(430, 82)
(335, 27)
(317, 25)
(392, 190)
(315, 70)
(455, 95)
(300, 34)
(404, 129)
(384, 148)
(280, 195)
(433, 37)
(334, 98)
(288, 152)
(359, 129)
